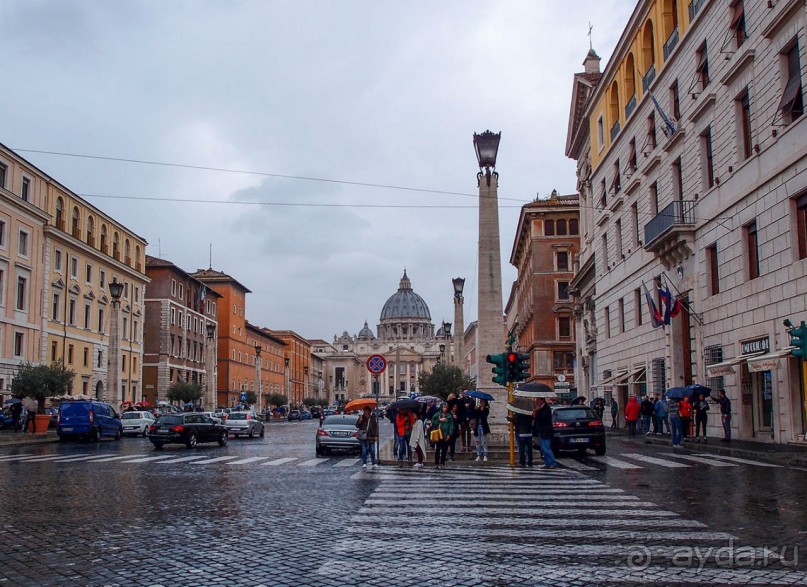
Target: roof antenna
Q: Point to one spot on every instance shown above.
(210, 265)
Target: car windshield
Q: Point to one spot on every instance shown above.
(132, 416)
(168, 419)
(340, 421)
(237, 417)
(575, 414)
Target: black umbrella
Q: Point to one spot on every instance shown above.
(406, 404)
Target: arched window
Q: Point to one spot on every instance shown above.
(137, 257)
(613, 109)
(104, 243)
(60, 213)
(90, 230)
(630, 85)
(127, 252)
(648, 54)
(669, 18)
(549, 228)
(74, 226)
(116, 246)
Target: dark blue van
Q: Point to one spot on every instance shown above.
(88, 419)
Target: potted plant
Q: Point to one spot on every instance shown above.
(39, 382)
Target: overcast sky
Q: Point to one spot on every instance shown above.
(352, 92)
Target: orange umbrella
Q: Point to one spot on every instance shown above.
(360, 404)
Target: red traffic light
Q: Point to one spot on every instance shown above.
(511, 358)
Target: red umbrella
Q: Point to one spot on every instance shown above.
(360, 404)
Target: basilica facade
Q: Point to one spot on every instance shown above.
(406, 338)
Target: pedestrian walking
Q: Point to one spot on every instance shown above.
(452, 441)
(417, 441)
(725, 414)
(523, 424)
(701, 416)
(467, 415)
(580, 400)
(443, 422)
(543, 430)
(632, 415)
(676, 429)
(481, 430)
(614, 414)
(659, 416)
(599, 407)
(685, 411)
(368, 435)
(646, 410)
(403, 429)
(16, 415)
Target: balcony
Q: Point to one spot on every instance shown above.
(694, 8)
(128, 261)
(76, 232)
(104, 248)
(670, 235)
(116, 255)
(670, 43)
(60, 223)
(614, 130)
(630, 106)
(91, 240)
(648, 77)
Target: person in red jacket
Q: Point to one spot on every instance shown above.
(403, 430)
(632, 415)
(685, 408)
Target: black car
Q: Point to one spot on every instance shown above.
(316, 411)
(188, 429)
(577, 428)
(294, 415)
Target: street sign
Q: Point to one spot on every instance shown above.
(376, 364)
(243, 396)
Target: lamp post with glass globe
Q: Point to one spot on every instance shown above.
(212, 400)
(113, 376)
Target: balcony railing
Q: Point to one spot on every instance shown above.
(670, 43)
(649, 77)
(91, 240)
(680, 212)
(630, 106)
(694, 8)
(76, 232)
(614, 130)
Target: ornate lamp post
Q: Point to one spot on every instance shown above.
(490, 313)
(441, 358)
(447, 334)
(305, 382)
(459, 284)
(212, 400)
(259, 385)
(113, 376)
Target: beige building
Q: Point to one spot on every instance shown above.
(691, 151)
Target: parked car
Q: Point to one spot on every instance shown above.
(316, 411)
(54, 417)
(577, 428)
(305, 415)
(245, 424)
(294, 415)
(88, 419)
(218, 419)
(137, 423)
(338, 432)
(188, 429)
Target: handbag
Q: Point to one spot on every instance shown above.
(436, 435)
(363, 434)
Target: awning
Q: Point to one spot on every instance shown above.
(622, 377)
(767, 362)
(611, 380)
(724, 368)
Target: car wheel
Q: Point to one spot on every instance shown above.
(599, 451)
(251, 433)
(118, 434)
(145, 432)
(158, 445)
(192, 440)
(223, 438)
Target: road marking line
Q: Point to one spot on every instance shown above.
(92, 458)
(518, 521)
(705, 461)
(739, 460)
(392, 492)
(148, 459)
(118, 458)
(577, 465)
(567, 508)
(347, 462)
(617, 464)
(215, 460)
(183, 459)
(16, 457)
(40, 458)
(313, 462)
(454, 531)
(247, 460)
(277, 462)
(655, 461)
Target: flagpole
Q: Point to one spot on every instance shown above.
(686, 303)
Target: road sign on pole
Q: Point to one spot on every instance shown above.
(376, 364)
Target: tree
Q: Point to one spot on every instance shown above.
(312, 401)
(41, 382)
(185, 391)
(278, 399)
(444, 379)
(252, 398)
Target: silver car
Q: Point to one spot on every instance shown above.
(338, 432)
(137, 423)
(244, 424)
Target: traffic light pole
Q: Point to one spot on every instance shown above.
(512, 426)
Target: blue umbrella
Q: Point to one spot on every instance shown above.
(478, 394)
(677, 393)
(13, 400)
(697, 389)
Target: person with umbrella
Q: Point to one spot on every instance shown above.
(685, 411)
(417, 439)
(725, 414)
(467, 413)
(701, 416)
(444, 422)
(403, 429)
(676, 426)
(16, 413)
(481, 430)
(544, 431)
(368, 434)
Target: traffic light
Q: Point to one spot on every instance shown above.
(500, 370)
(798, 339)
(518, 366)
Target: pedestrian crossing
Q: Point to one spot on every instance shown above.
(532, 526)
(632, 461)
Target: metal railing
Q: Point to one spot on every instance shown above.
(670, 43)
(614, 130)
(694, 8)
(678, 212)
(630, 106)
(648, 77)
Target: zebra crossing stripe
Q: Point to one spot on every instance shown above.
(617, 464)
(94, 458)
(313, 462)
(108, 459)
(247, 460)
(42, 458)
(277, 462)
(15, 457)
(536, 521)
(148, 459)
(577, 465)
(347, 462)
(182, 459)
(655, 461)
(702, 460)
(547, 511)
(525, 494)
(739, 460)
(215, 460)
(454, 531)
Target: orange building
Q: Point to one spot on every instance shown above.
(298, 353)
(272, 366)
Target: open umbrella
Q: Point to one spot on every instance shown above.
(478, 394)
(13, 400)
(428, 399)
(405, 404)
(677, 393)
(521, 405)
(360, 404)
(30, 404)
(697, 389)
(126, 404)
(534, 389)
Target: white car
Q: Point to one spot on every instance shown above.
(137, 423)
(244, 423)
(217, 418)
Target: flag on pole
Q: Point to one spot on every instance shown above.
(669, 126)
(656, 319)
(670, 303)
(201, 301)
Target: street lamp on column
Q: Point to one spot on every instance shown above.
(442, 353)
(288, 391)
(258, 374)
(211, 366)
(459, 323)
(447, 333)
(114, 366)
(305, 382)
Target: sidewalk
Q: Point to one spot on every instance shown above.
(792, 454)
(9, 439)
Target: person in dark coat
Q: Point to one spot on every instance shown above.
(725, 414)
(467, 414)
(701, 408)
(16, 413)
(368, 435)
(481, 430)
(543, 430)
(523, 428)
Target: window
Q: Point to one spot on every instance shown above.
(25, 189)
(605, 251)
(752, 244)
(603, 195)
(562, 360)
(675, 98)
(801, 227)
(563, 290)
(744, 126)
(74, 267)
(564, 327)
(607, 322)
(87, 314)
(88, 273)
(101, 277)
(621, 309)
(634, 223)
(653, 191)
(22, 244)
(2, 234)
(573, 227)
(792, 104)
(617, 185)
(632, 163)
(173, 287)
(618, 238)
(19, 344)
(737, 25)
(85, 358)
(179, 318)
(100, 320)
(100, 360)
(181, 292)
(713, 269)
(702, 67)
(71, 312)
(3, 174)
(136, 294)
(600, 133)
(561, 227)
(678, 180)
(562, 260)
(70, 354)
(173, 316)
(57, 261)
(53, 349)
(22, 293)
(235, 310)
(707, 159)
(125, 333)
(54, 308)
(637, 305)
